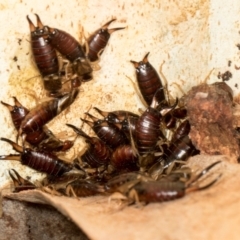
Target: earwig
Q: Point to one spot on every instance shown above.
(120, 181)
(98, 41)
(170, 119)
(58, 184)
(111, 135)
(53, 144)
(180, 112)
(179, 150)
(165, 190)
(116, 116)
(18, 112)
(182, 130)
(97, 154)
(43, 139)
(125, 120)
(76, 82)
(70, 48)
(149, 81)
(148, 131)
(83, 188)
(66, 44)
(41, 161)
(124, 158)
(20, 184)
(45, 112)
(128, 126)
(37, 138)
(45, 56)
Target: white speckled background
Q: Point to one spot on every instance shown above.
(191, 37)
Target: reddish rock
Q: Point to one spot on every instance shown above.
(210, 111)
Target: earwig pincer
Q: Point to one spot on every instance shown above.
(149, 81)
(98, 153)
(45, 56)
(41, 161)
(111, 135)
(97, 41)
(18, 112)
(45, 112)
(20, 184)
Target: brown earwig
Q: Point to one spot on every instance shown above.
(165, 190)
(83, 188)
(128, 126)
(118, 183)
(124, 158)
(111, 135)
(18, 112)
(180, 112)
(76, 82)
(53, 144)
(41, 161)
(70, 48)
(98, 153)
(149, 81)
(182, 130)
(64, 179)
(58, 184)
(125, 120)
(20, 184)
(179, 150)
(116, 116)
(45, 56)
(43, 139)
(147, 130)
(170, 119)
(98, 41)
(45, 112)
